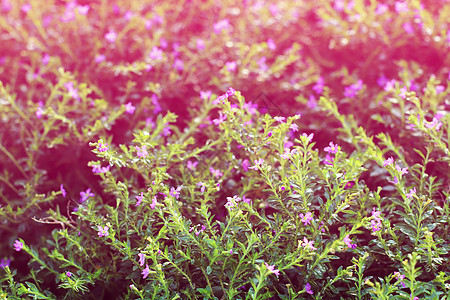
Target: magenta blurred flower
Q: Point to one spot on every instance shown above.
(192, 165)
(73, 92)
(100, 58)
(139, 199)
(332, 148)
(216, 173)
(5, 263)
(26, 7)
(102, 231)
(205, 95)
(221, 25)
(231, 65)
(178, 65)
(145, 272)
(86, 195)
(156, 53)
(271, 44)
(348, 242)
(141, 152)
(306, 219)
(175, 192)
(245, 165)
(308, 289)
(63, 191)
(111, 36)
(200, 45)
(129, 108)
(141, 259)
(381, 9)
(318, 87)
(18, 245)
(272, 269)
(388, 161)
(154, 203)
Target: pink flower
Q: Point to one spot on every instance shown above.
(18, 245)
(175, 192)
(245, 165)
(318, 87)
(129, 108)
(306, 219)
(271, 44)
(26, 7)
(279, 119)
(45, 59)
(156, 53)
(246, 200)
(257, 163)
(142, 152)
(411, 193)
(395, 181)
(328, 160)
(381, 9)
(102, 231)
(308, 244)
(309, 137)
(308, 289)
(388, 161)
(221, 25)
(111, 36)
(231, 65)
(205, 95)
(86, 195)
(63, 191)
(401, 7)
(192, 165)
(146, 271)
(178, 65)
(154, 203)
(332, 148)
(72, 91)
(221, 119)
(102, 147)
(200, 45)
(141, 259)
(272, 269)
(348, 242)
(139, 199)
(216, 173)
(99, 58)
(401, 171)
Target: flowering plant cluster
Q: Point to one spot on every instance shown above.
(208, 150)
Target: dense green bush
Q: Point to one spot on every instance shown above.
(224, 149)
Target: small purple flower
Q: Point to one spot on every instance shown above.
(141, 259)
(102, 231)
(141, 151)
(102, 147)
(434, 124)
(221, 25)
(139, 199)
(328, 160)
(99, 58)
(73, 92)
(221, 119)
(411, 193)
(45, 59)
(200, 45)
(146, 271)
(83, 9)
(129, 108)
(26, 7)
(400, 170)
(245, 165)
(216, 173)
(351, 90)
(348, 242)
(376, 225)
(230, 92)
(318, 87)
(308, 244)
(86, 195)
(388, 161)
(293, 127)
(111, 36)
(154, 203)
(257, 163)
(271, 44)
(381, 9)
(395, 181)
(166, 130)
(40, 110)
(63, 191)
(279, 119)
(246, 200)
(18, 245)
(309, 137)
(308, 289)
(202, 186)
(178, 65)
(306, 219)
(192, 165)
(332, 148)
(175, 192)
(272, 269)
(156, 53)
(68, 274)
(205, 95)
(231, 65)
(400, 278)
(5, 263)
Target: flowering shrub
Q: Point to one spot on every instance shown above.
(165, 150)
